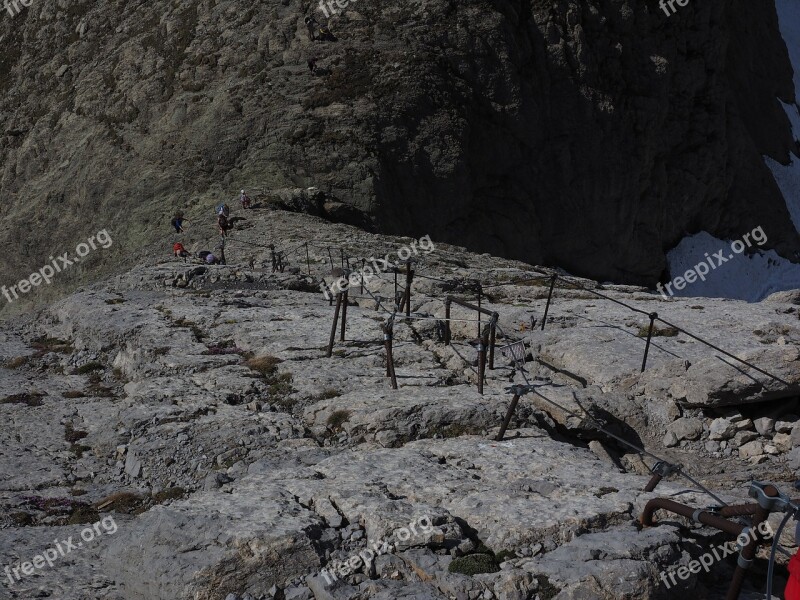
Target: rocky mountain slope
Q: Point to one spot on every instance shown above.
(195, 406)
(592, 135)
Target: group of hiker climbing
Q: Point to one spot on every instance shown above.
(224, 224)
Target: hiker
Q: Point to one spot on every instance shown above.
(177, 222)
(221, 254)
(245, 200)
(222, 223)
(224, 209)
(179, 251)
(311, 24)
(211, 259)
(312, 65)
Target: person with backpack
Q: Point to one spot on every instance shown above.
(179, 251)
(245, 200)
(311, 24)
(223, 224)
(177, 222)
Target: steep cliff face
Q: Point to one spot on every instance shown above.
(592, 135)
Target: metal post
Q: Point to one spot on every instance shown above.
(492, 337)
(549, 297)
(274, 260)
(395, 285)
(447, 304)
(749, 551)
(409, 277)
(482, 343)
(330, 257)
(480, 329)
(387, 340)
(335, 323)
(512, 407)
(363, 262)
(653, 317)
(345, 295)
(308, 260)
(341, 251)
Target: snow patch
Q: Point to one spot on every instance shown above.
(743, 277)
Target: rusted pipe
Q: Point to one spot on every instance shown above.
(345, 296)
(512, 407)
(387, 340)
(702, 517)
(749, 550)
(654, 481)
(335, 323)
(492, 338)
(447, 303)
(482, 343)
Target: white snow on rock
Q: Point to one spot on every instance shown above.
(751, 278)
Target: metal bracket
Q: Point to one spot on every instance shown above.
(665, 469)
(519, 389)
(779, 503)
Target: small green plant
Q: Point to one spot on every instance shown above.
(173, 493)
(29, 399)
(473, 564)
(337, 419)
(264, 365)
(89, 367)
(16, 363)
(327, 394)
(44, 345)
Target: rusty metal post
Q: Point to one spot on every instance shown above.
(480, 293)
(654, 481)
(512, 407)
(492, 337)
(409, 278)
(274, 260)
(330, 257)
(345, 295)
(447, 304)
(653, 317)
(549, 298)
(387, 340)
(482, 343)
(335, 323)
(395, 285)
(749, 551)
(308, 260)
(341, 251)
(363, 263)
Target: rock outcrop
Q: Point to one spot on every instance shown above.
(196, 406)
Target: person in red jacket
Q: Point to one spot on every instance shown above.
(179, 251)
